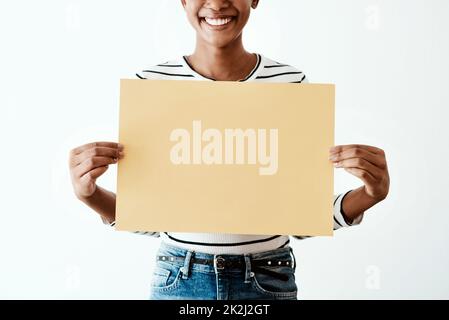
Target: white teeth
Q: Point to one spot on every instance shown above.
(217, 22)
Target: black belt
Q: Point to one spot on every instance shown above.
(220, 263)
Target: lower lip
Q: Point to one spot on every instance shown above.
(216, 28)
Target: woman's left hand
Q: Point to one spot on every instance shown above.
(367, 163)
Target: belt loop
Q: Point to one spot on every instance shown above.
(293, 258)
(247, 269)
(186, 267)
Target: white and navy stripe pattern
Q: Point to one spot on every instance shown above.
(266, 70)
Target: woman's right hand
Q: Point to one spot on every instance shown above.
(90, 161)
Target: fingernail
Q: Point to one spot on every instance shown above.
(115, 159)
(332, 157)
(120, 146)
(337, 164)
(121, 153)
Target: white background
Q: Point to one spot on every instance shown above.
(60, 66)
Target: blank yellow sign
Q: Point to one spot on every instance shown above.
(225, 157)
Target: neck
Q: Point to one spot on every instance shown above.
(230, 63)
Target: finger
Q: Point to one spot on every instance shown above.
(91, 145)
(341, 148)
(363, 175)
(360, 163)
(92, 163)
(95, 173)
(96, 152)
(375, 159)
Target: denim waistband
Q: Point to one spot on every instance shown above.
(276, 254)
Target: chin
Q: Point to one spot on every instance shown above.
(218, 42)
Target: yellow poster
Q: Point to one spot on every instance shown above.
(225, 157)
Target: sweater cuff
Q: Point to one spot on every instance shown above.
(339, 215)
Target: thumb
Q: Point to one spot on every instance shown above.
(95, 173)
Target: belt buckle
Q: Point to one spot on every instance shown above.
(219, 263)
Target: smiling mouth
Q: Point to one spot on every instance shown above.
(217, 22)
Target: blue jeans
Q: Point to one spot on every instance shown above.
(182, 279)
